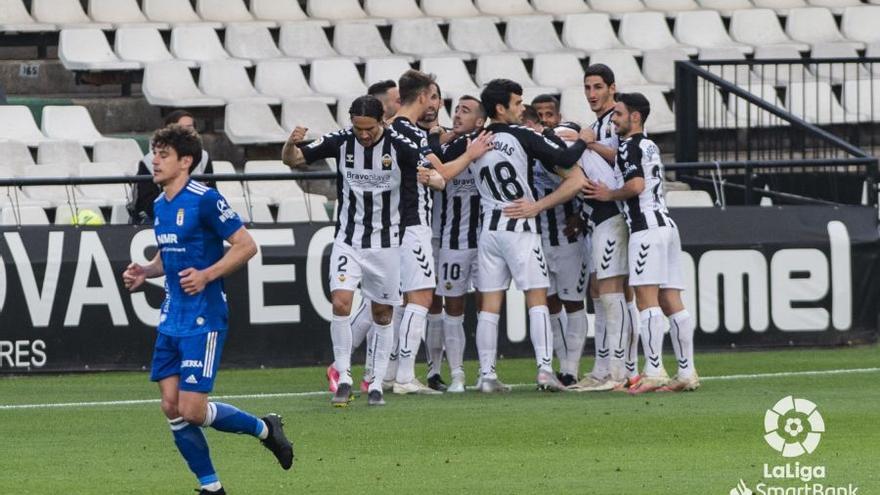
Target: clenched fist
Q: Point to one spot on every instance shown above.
(298, 135)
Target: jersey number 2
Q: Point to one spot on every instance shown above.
(504, 176)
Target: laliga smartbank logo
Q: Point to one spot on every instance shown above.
(793, 427)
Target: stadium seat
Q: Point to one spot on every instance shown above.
(422, 38)
(393, 9)
(230, 81)
(121, 13)
(860, 24)
(816, 25)
(477, 35)
(87, 49)
(360, 40)
(124, 153)
(106, 194)
(671, 7)
(278, 10)
(814, 101)
(284, 79)
(649, 31)
(342, 116)
(712, 110)
(507, 66)
(64, 13)
(837, 6)
(17, 123)
(857, 98)
(873, 51)
(837, 72)
(561, 8)
(61, 152)
(452, 76)
(781, 7)
(336, 76)
(737, 74)
(726, 7)
(309, 208)
(248, 122)
(559, 70)
(760, 28)
(661, 119)
(276, 190)
(340, 10)
(25, 215)
(535, 34)
(616, 8)
(54, 195)
(144, 45)
(658, 66)
(704, 29)
(198, 43)
(70, 122)
(15, 154)
(380, 69)
(757, 117)
(451, 9)
(592, 32)
(305, 41)
(573, 106)
(504, 8)
(251, 41)
(780, 74)
(688, 199)
(256, 210)
(14, 18)
(67, 214)
(175, 12)
(227, 11)
(170, 84)
(311, 114)
(229, 189)
(626, 70)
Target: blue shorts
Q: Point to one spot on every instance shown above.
(195, 359)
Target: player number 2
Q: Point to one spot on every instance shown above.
(343, 262)
(504, 176)
(451, 271)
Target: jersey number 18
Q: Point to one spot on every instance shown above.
(504, 175)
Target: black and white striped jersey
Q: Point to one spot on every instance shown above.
(597, 169)
(416, 197)
(368, 185)
(457, 207)
(505, 173)
(551, 223)
(604, 129)
(638, 156)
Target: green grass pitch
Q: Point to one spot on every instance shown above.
(524, 442)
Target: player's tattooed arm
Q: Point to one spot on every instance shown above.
(601, 192)
(475, 149)
(241, 250)
(574, 181)
(135, 275)
(291, 155)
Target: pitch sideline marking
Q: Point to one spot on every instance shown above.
(61, 405)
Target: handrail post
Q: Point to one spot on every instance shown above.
(747, 200)
(685, 113)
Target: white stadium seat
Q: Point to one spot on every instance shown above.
(726, 7)
(780, 74)
(814, 101)
(278, 10)
(107, 194)
(14, 18)
(342, 116)
(305, 41)
(340, 10)
(70, 122)
(336, 76)
(64, 13)
(311, 114)
(450, 9)
(88, 50)
(142, 44)
(198, 43)
(713, 112)
(658, 66)
(616, 8)
(816, 25)
(359, 39)
(688, 199)
(759, 28)
(452, 76)
(276, 190)
(781, 7)
(17, 123)
(746, 111)
(26, 215)
(476, 35)
(704, 29)
(626, 70)
(170, 84)
(737, 74)
(61, 152)
(15, 154)
(661, 118)
(121, 13)
(175, 12)
(229, 189)
(837, 6)
(838, 72)
(226, 11)
(230, 81)
(393, 9)
(860, 23)
(671, 7)
(256, 210)
(559, 70)
(124, 153)
(251, 41)
(649, 31)
(592, 32)
(380, 69)
(504, 8)
(857, 98)
(309, 208)
(510, 67)
(423, 38)
(54, 195)
(248, 122)
(284, 79)
(534, 34)
(573, 106)
(561, 8)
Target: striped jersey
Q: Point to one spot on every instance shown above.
(604, 129)
(597, 169)
(638, 156)
(505, 173)
(552, 223)
(368, 185)
(457, 207)
(416, 198)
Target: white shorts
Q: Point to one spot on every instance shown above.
(377, 270)
(417, 259)
(568, 271)
(655, 258)
(502, 255)
(457, 271)
(610, 245)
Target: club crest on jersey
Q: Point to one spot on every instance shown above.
(341, 277)
(179, 217)
(448, 285)
(386, 162)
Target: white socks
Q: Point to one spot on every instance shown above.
(380, 346)
(487, 343)
(615, 331)
(340, 334)
(603, 354)
(575, 336)
(453, 333)
(434, 343)
(391, 372)
(361, 329)
(681, 331)
(651, 330)
(631, 360)
(558, 323)
(542, 337)
(411, 330)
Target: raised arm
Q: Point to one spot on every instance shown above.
(574, 181)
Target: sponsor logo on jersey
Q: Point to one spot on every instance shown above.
(180, 217)
(191, 363)
(166, 238)
(368, 180)
(226, 213)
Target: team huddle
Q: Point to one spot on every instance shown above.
(427, 215)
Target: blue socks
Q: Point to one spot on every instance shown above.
(193, 446)
(229, 419)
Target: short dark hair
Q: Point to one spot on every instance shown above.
(635, 102)
(530, 114)
(546, 98)
(480, 110)
(413, 83)
(498, 91)
(184, 141)
(602, 71)
(381, 87)
(175, 116)
(367, 106)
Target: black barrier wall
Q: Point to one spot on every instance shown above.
(756, 277)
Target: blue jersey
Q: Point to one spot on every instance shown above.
(190, 229)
